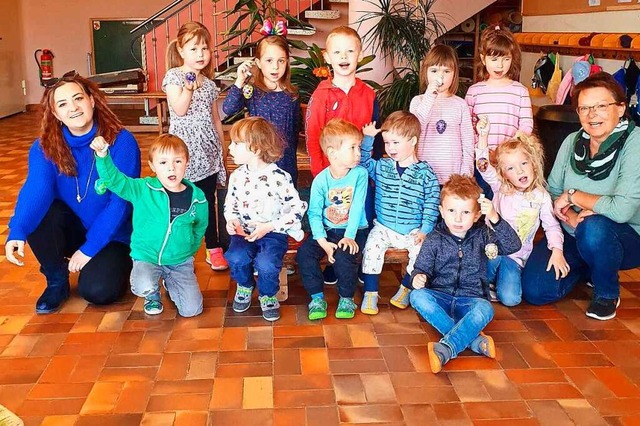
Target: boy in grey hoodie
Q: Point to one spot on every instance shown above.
(450, 273)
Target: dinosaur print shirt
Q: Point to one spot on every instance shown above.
(338, 203)
(266, 195)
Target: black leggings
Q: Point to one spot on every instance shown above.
(209, 185)
(103, 280)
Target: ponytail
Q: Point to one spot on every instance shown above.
(173, 56)
(187, 31)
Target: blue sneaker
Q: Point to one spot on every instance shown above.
(346, 308)
(270, 308)
(153, 307)
(317, 308)
(242, 299)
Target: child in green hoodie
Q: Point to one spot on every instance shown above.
(169, 219)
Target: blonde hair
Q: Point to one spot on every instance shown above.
(168, 143)
(188, 31)
(535, 153)
(499, 41)
(285, 80)
(440, 55)
(345, 31)
(335, 132)
(260, 137)
(402, 123)
(461, 186)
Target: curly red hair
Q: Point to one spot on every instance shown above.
(260, 136)
(52, 140)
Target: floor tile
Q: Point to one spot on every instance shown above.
(99, 365)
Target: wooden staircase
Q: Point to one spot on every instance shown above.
(212, 15)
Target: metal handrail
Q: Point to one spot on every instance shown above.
(156, 23)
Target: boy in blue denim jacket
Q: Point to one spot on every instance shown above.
(451, 289)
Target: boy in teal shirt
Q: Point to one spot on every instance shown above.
(337, 219)
(169, 219)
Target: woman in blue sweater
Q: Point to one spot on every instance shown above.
(69, 227)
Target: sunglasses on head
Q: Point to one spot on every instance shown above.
(68, 76)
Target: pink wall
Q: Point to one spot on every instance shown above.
(64, 27)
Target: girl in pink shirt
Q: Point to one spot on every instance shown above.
(446, 137)
(521, 199)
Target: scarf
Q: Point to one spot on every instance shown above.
(599, 167)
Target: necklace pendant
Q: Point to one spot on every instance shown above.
(78, 198)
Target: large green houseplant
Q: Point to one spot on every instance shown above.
(403, 33)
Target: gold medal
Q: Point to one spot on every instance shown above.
(491, 250)
(247, 91)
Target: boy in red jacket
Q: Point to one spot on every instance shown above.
(343, 96)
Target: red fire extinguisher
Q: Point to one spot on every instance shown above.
(45, 64)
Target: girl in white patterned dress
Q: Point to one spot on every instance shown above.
(193, 111)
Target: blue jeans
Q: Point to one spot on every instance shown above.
(599, 250)
(265, 255)
(459, 319)
(507, 275)
(346, 265)
(179, 280)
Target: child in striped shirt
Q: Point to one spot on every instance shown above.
(406, 201)
(446, 137)
(498, 95)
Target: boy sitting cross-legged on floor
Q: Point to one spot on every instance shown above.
(169, 219)
(406, 199)
(451, 289)
(337, 219)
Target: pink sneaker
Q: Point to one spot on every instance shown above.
(216, 259)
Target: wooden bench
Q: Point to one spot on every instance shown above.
(391, 256)
(161, 109)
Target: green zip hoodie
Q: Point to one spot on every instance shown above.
(155, 239)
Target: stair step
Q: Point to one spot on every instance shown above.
(322, 14)
(230, 76)
(241, 59)
(301, 31)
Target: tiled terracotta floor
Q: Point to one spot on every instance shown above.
(113, 365)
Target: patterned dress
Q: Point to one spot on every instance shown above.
(196, 128)
(279, 109)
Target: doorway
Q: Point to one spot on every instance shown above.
(12, 99)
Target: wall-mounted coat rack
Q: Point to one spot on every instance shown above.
(603, 45)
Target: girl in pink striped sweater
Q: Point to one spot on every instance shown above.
(498, 95)
(446, 137)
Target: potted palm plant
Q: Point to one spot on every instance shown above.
(403, 33)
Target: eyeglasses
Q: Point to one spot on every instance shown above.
(67, 76)
(598, 108)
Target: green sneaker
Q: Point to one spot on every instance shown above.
(317, 309)
(346, 308)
